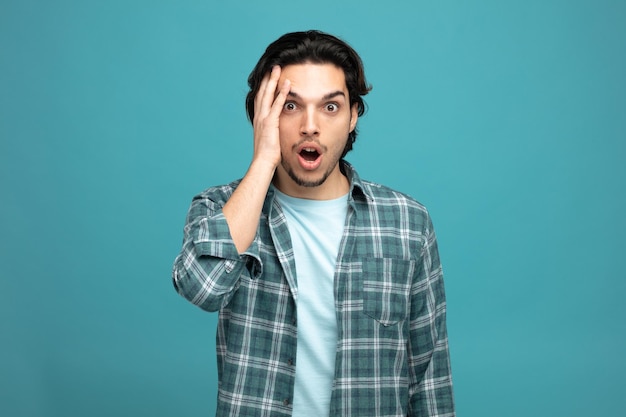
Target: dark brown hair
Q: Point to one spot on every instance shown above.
(318, 48)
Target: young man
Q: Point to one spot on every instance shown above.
(329, 288)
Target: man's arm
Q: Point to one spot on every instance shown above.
(243, 209)
(207, 270)
(429, 357)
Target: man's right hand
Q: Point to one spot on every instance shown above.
(243, 209)
(268, 105)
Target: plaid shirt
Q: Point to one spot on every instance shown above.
(392, 354)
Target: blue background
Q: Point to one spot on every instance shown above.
(506, 118)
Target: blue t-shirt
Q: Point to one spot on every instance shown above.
(316, 228)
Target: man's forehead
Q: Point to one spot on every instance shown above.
(317, 80)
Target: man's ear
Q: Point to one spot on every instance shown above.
(354, 116)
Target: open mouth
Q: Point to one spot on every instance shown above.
(309, 154)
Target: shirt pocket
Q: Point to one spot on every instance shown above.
(387, 288)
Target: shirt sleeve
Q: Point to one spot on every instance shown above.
(208, 268)
(429, 358)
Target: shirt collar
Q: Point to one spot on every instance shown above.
(357, 189)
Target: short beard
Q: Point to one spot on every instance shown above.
(309, 184)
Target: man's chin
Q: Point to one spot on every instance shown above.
(307, 182)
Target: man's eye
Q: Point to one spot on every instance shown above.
(289, 106)
(331, 107)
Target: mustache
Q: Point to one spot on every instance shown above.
(309, 139)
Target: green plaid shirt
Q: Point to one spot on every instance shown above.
(392, 355)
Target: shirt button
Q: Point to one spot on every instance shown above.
(290, 362)
(286, 402)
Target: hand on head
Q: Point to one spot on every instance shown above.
(268, 106)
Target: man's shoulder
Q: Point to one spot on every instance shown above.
(382, 194)
(386, 207)
(218, 193)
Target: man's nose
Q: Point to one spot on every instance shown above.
(310, 126)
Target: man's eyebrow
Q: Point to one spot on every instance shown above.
(326, 96)
(333, 95)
